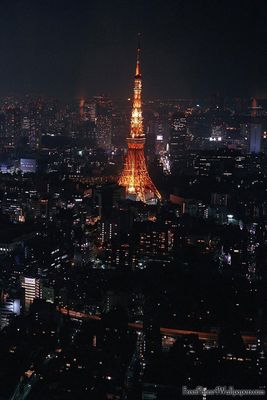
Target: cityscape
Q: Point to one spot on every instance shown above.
(133, 225)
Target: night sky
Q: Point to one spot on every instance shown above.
(189, 47)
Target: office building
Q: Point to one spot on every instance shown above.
(31, 290)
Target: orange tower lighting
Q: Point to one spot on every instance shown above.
(135, 177)
(81, 106)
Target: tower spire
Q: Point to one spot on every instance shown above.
(137, 69)
(137, 118)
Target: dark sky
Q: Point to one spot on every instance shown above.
(189, 47)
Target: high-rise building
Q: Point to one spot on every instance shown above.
(251, 133)
(152, 238)
(179, 138)
(159, 130)
(109, 230)
(252, 130)
(32, 290)
(134, 176)
(96, 118)
(3, 123)
(254, 139)
(8, 309)
(13, 124)
(119, 126)
(106, 197)
(34, 116)
(99, 112)
(103, 131)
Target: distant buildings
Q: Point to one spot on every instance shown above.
(97, 113)
(137, 274)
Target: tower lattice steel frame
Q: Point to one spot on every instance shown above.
(135, 177)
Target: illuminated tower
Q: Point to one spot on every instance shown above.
(134, 176)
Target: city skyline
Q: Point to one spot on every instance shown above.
(133, 234)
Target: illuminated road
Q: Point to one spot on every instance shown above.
(205, 336)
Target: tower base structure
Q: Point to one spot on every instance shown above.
(135, 177)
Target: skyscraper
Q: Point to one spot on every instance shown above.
(254, 139)
(179, 139)
(252, 130)
(135, 177)
(32, 290)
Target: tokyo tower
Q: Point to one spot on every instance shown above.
(134, 176)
